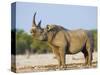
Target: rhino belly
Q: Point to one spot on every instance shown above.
(75, 47)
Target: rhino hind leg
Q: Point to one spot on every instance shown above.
(88, 56)
(85, 56)
(90, 48)
(89, 62)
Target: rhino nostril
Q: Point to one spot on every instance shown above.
(30, 31)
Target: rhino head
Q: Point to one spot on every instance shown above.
(47, 32)
(50, 31)
(36, 29)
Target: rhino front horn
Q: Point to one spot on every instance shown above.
(34, 22)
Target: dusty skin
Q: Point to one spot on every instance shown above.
(46, 62)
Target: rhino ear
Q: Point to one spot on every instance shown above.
(49, 27)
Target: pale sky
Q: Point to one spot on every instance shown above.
(68, 16)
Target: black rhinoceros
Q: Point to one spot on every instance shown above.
(64, 41)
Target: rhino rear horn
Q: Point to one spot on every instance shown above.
(39, 24)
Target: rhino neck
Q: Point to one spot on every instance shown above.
(51, 35)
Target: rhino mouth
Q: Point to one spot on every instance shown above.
(42, 38)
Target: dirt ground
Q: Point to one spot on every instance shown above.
(47, 62)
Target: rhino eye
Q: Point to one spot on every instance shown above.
(33, 31)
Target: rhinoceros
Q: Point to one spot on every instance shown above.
(64, 41)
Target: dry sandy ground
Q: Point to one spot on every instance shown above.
(45, 62)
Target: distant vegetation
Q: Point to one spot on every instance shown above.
(25, 42)
(95, 39)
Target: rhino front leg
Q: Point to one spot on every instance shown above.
(54, 50)
(62, 56)
(57, 55)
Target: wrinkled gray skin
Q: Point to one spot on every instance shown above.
(63, 41)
